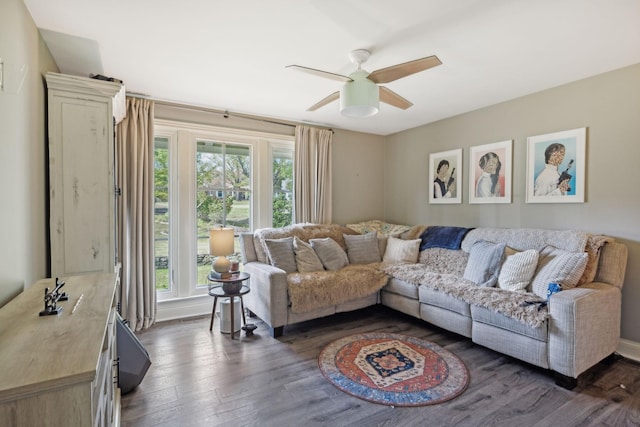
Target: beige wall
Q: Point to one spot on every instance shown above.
(23, 256)
(358, 177)
(607, 105)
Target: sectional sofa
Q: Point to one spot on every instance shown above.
(496, 286)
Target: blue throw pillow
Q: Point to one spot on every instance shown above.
(442, 237)
(484, 263)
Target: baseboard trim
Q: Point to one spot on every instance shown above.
(183, 308)
(629, 349)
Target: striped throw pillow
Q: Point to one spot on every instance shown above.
(558, 266)
(517, 271)
(362, 248)
(399, 250)
(483, 266)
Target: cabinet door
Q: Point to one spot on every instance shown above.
(82, 186)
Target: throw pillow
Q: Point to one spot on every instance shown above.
(382, 245)
(399, 250)
(517, 270)
(332, 256)
(362, 248)
(484, 262)
(280, 253)
(306, 258)
(558, 266)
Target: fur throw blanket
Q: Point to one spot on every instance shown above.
(508, 303)
(310, 291)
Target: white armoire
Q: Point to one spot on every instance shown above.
(82, 116)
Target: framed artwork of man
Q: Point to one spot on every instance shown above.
(556, 167)
(490, 173)
(445, 177)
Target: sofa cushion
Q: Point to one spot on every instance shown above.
(440, 260)
(399, 250)
(497, 319)
(332, 256)
(483, 266)
(517, 270)
(400, 287)
(444, 300)
(558, 266)
(312, 291)
(306, 258)
(363, 248)
(280, 253)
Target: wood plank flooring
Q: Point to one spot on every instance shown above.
(202, 378)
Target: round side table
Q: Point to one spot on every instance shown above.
(231, 288)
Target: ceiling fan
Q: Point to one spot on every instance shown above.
(360, 95)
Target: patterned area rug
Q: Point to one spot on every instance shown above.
(393, 369)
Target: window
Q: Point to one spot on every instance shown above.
(207, 177)
(223, 194)
(282, 195)
(161, 212)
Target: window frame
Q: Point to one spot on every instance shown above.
(182, 139)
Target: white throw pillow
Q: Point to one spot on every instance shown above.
(558, 266)
(517, 270)
(333, 257)
(399, 250)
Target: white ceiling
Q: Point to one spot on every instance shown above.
(231, 55)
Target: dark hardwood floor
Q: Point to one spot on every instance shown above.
(202, 378)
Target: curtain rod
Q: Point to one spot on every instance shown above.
(224, 113)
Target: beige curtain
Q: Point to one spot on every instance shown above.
(134, 175)
(312, 175)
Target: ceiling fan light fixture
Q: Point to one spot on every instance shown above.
(359, 98)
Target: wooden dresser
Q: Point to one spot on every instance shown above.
(60, 370)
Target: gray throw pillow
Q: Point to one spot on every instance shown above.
(484, 263)
(281, 254)
(306, 258)
(558, 266)
(362, 248)
(333, 257)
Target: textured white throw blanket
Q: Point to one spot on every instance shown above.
(511, 304)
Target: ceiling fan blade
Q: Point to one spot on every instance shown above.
(324, 101)
(395, 72)
(390, 97)
(325, 74)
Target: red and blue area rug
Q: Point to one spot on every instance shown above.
(393, 369)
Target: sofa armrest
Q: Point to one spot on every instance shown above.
(268, 297)
(584, 327)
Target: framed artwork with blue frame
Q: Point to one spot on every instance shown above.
(556, 167)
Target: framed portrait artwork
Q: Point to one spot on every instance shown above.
(490, 173)
(556, 167)
(445, 177)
